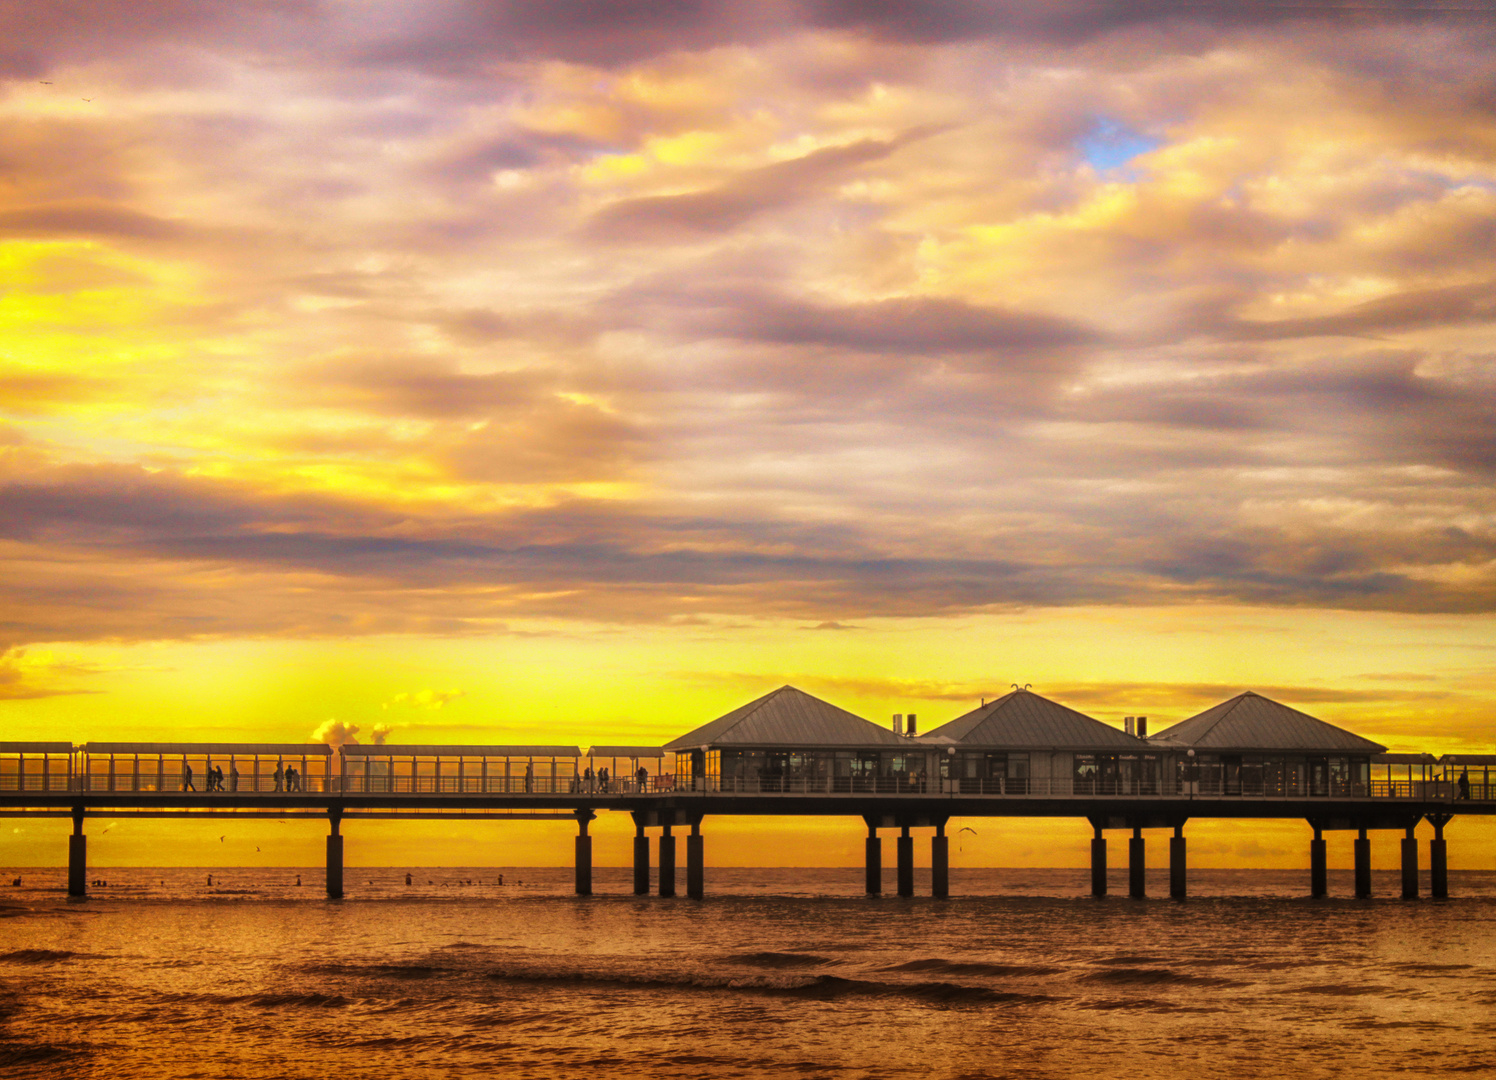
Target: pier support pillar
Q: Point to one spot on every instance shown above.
(1098, 863)
(334, 854)
(873, 861)
(1438, 859)
(1410, 864)
(1363, 866)
(1177, 864)
(940, 863)
(667, 863)
(584, 854)
(695, 862)
(906, 863)
(1137, 867)
(77, 857)
(641, 858)
(1319, 865)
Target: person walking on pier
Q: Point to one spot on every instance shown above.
(529, 778)
(293, 779)
(643, 777)
(187, 784)
(233, 777)
(1464, 783)
(603, 777)
(279, 775)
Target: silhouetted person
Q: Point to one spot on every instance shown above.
(187, 784)
(233, 777)
(529, 778)
(602, 779)
(501, 880)
(298, 879)
(643, 777)
(293, 775)
(407, 879)
(278, 776)
(1464, 783)
(210, 879)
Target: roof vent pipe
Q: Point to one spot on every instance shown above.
(1142, 727)
(1127, 725)
(910, 731)
(898, 723)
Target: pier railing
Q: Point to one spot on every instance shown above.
(667, 784)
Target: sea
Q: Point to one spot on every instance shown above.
(776, 973)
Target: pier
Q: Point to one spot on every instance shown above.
(792, 754)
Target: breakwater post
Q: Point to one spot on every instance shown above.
(1176, 863)
(905, 845)
(1098, 860)
(77, 857)
(873, 858)
(667, 863)
(1438, 857)
(1319, 864)
(584, 853)
(334, 853)
(1137, 867)
(641, 856)
(940, 862)
(1410, 863)
(695, 861)
(1363, 865)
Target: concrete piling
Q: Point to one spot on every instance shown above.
(667, 863)
(641, 858)
(1438, 859)
(1363, 866)
(1137, 867)
(334, 854)
(1098, 863)
(873, 862)
(940, 863)
(1319, 865)
(906, 863)
(77, 857)
(1177, 885)
(695, 862)
(1410, 864)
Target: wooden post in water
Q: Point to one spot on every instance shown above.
(334, 853)
(1410, 863)
(584, 853)
(695, 862)
(1137, 867)
(906, 863)
(1363, 865)
(641, 857)
(667, 863)
(1098, 861)
(1319, 866)
(940, 863)
(1438, 858)
(1176, 863)
(77, 857)
(873, 859)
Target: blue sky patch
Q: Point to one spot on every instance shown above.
(1110, 145)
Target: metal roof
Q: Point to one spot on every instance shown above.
(282, 749)
(1252, 722)
(36, 748)
(626, 751)
(1023, 718)
(380, 750)
(1468, 759)
(788, 717)
(1403, 759)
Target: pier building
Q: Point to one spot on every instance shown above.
(791, 753)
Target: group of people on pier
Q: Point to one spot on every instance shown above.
(285, 777)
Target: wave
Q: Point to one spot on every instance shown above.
(37, 956)
(810, 987)
(977, 968)
(780, 959)
(1137, 976)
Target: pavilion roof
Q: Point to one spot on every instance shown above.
(788, 717)
(1026, 719)
(1252, 722)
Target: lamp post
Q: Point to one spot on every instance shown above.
(1192, 771)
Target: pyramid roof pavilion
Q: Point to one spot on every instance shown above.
(1026, 720)
(1251, 722)
(791, 718)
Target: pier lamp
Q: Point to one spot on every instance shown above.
(1191, 770)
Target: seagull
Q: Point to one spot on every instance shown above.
(220, 839)
(106, 829)
(966, 828)
(85, 99)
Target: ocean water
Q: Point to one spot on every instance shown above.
(777, 973)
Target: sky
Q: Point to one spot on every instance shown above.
(577, 371)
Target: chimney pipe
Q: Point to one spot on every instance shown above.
(898, 723)
(910, 731)
(1142, 727)
(1127, 725)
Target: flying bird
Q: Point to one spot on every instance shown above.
(966, 828)
(85, 99)
(220, 839)
(44, 82)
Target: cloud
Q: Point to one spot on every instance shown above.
(425, 699)
(336, 733)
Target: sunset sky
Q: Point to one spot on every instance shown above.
(576, 371)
